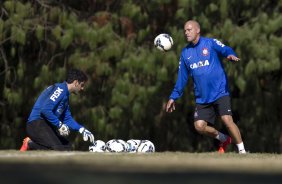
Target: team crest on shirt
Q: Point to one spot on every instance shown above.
(205, 51)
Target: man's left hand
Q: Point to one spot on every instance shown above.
(233, 58)
(86, 134)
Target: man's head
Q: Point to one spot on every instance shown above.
(192, 31)
(76, 80)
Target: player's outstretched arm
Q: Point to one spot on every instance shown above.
(233, 58)
(170, 106)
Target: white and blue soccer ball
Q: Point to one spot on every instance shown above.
(163, 42)
(133, 145)
(108, 144)
(116, 145)
(120, 146)
(146, 146)
(98, 146)
(125, 145)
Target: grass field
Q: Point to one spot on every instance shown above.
(164, 167)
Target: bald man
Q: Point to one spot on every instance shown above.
(200, 60)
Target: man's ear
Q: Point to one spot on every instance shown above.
(75, 82)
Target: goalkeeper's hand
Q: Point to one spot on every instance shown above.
(63, 129)
(86, 134)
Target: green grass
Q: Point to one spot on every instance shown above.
(164, 167)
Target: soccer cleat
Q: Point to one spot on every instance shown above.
(242, 152)
(25, 144)
(223, 145)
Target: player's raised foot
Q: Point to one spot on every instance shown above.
(25, 144)
(223, 145)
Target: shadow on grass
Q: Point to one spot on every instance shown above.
(76, 173)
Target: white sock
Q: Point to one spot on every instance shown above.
(241, 148)
(221, 137)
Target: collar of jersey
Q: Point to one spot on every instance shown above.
(66, 87)
(192, 45)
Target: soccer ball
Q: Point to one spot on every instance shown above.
(133, 145)
(116, 145)
(98, 146)
(146, 146)
(163, 42)
(108, 145)
(125, 145)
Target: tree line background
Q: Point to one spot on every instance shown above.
(129, 79)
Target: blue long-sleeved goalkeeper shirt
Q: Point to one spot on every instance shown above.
(202, 63)
(53, 105)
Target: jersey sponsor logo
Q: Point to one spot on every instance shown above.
(199, 64)
(62, 107)
(56, 94)
(205, 51)
(219, 43)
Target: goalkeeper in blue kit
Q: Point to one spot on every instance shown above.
(200, 60)
(50, 120)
